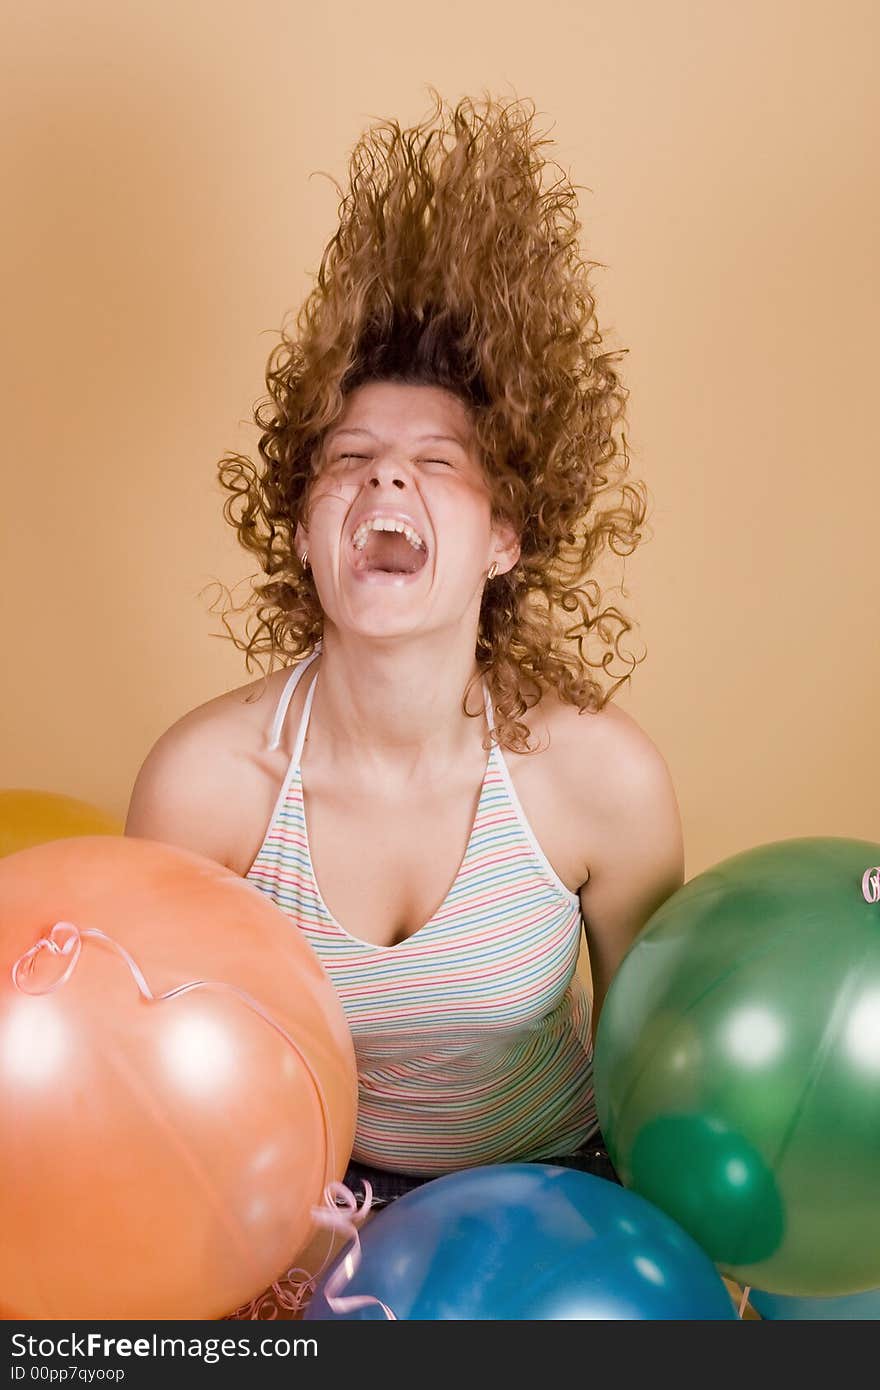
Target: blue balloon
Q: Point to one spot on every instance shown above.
(851, 1307)
(528, 1241)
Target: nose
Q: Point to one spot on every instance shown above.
(387, 471)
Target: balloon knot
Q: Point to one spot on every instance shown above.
(63, 940)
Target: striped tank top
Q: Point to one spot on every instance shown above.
(472, 1036)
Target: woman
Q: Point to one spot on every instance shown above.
(439, 793)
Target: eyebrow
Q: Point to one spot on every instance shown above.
(422, 439)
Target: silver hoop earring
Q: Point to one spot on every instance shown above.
(493, 570)
(305, 560)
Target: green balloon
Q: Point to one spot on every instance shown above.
(737, 1065)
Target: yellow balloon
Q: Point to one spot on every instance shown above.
(33, 818)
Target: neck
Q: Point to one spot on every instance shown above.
(393, 711)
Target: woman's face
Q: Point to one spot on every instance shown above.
(402, 455)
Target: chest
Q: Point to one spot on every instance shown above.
(384, 863)
(384, 859)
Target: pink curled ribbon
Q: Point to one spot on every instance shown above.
(293, 1294)
(65, 940)
(871, 884)
(345, 1222)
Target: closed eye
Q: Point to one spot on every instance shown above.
(445, 462)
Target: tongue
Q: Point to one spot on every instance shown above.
(390, 551)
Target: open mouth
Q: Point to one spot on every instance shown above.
(388, 547)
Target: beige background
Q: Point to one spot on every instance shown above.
(160, 221)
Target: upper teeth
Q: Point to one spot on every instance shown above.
(386, 523)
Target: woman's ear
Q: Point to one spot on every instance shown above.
(300, 540)
(505, 550)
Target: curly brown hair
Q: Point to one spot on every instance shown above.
(454, 266)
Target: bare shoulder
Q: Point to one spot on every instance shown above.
(198, 782)
(614, 785)
(606, 752)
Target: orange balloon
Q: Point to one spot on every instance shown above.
(29, 817)
(159, 1157)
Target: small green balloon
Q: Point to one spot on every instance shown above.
(696, 1164)
(737, 1065)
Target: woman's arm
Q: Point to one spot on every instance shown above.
(638, 860)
